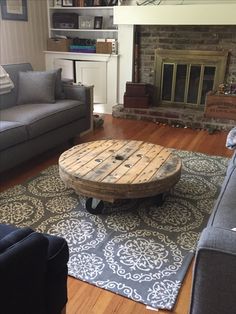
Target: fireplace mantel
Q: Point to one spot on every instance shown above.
(191, 14)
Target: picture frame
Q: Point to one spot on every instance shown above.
(15, 10)
(98, 22)
(86, 22)
(57, 3)
(67, 3)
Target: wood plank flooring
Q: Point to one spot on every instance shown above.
(85, 298)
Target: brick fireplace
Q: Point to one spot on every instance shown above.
(181, 38)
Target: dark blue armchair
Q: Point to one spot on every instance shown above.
(33, 272)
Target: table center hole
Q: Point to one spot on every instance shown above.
(98, 160)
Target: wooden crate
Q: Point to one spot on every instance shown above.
(138, 89)
(104, 47)
(220, 106)
(138, 95)
(137, 102)
(58, 44)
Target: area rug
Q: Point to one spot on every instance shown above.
(136, 248)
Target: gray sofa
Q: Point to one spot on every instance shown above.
(29, 129)
(214, 278)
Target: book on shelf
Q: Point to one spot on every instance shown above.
(82, 48)
(79, 3)
(95, 3)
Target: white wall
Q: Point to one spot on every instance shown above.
(25, 41)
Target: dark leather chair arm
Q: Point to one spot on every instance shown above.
(23, 256)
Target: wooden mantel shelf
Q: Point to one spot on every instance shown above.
(191, 14)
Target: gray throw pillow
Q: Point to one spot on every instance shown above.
(36, 87)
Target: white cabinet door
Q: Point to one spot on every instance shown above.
(67, 68)
(93, 73)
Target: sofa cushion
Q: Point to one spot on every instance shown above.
(36, 87)
(224, 213)
(11, 133)
(41, 118)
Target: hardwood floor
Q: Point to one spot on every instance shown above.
(85, 298)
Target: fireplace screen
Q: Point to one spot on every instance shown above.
(184, 78)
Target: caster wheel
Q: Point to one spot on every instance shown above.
(159, 199)
(94, 206)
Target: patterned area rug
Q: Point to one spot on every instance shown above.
(136, 249)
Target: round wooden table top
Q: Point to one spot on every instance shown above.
(119, 169)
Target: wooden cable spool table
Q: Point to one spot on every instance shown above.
(108, 170)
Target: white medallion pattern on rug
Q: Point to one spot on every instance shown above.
(174, 215)
(162, 294)
(62, 204)
(121, 288)
(195, 187)
(142, 255)
(206, 205)
(203, 166)
(86, 266)
(81, 230)
(188, 240)
(48, 186)
(122, 222)
(136, 248)
(21, 210)
(14, 191)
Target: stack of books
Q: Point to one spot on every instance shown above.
(81, 48)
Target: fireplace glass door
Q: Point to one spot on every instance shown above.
(186, 83)
(184, 77)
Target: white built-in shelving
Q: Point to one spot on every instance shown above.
(97, 69)
(108, 30)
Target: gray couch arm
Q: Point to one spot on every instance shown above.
(214, 278)
(85, 95)
(78, 92)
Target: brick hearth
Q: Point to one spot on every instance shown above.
(179, 117)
